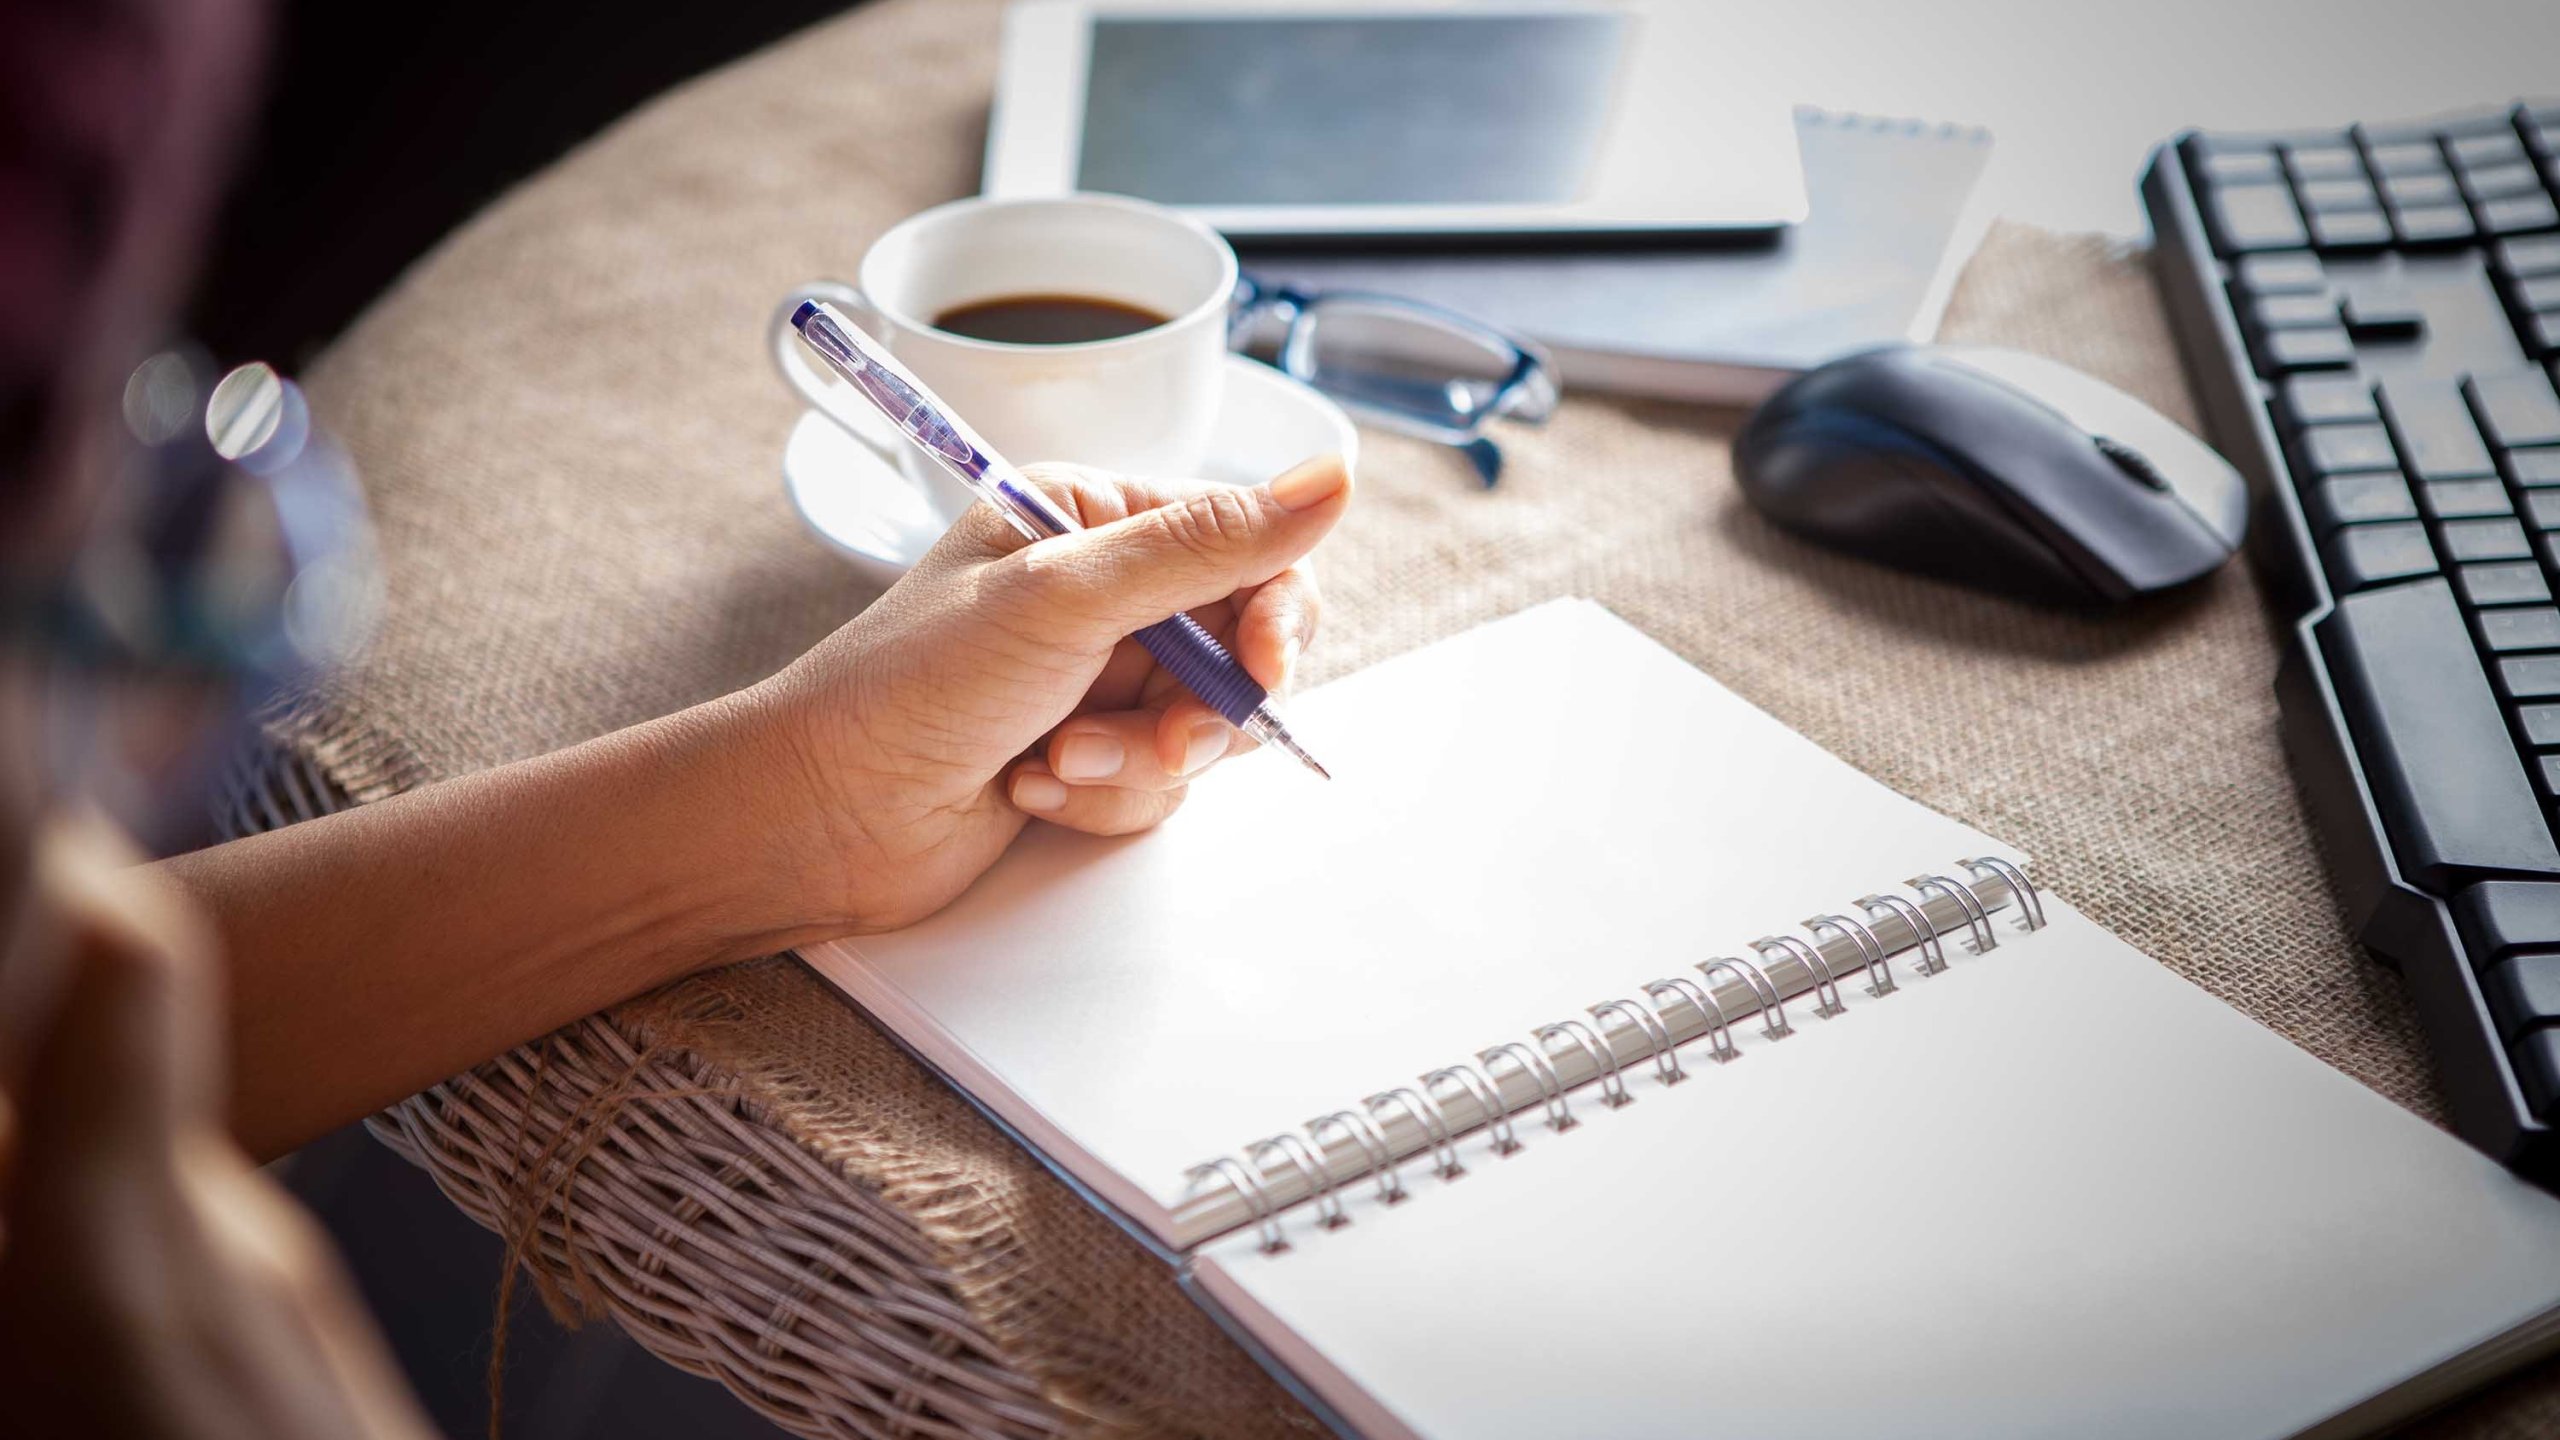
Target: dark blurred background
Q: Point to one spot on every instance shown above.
(385, 127)
(382, 129)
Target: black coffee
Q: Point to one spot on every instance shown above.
(1046, 319)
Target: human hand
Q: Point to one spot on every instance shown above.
(997, 680)
(152, 1281)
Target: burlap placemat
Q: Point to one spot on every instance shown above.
(581, 533)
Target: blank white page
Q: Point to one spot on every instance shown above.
(1530, 817)
(2053, 1191)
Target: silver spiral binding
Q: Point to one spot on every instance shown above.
(1613, 1086)
(1266, 1218)
(1773, 1010)
(1316, 1163)
(2030, 905)
(1665, 1051)
(1933, 955)
(1329, 1211)
(1435, 1125)
(1826, 991)
(1534, 1061)
(1486, 1094)
(1977, 919)
(1372, 1142)
(1720, 1047)
(1870, 949)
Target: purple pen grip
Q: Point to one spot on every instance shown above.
(1193, 656)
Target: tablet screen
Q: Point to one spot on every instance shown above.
(1327, 110)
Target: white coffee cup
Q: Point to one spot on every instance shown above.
(1141, 403)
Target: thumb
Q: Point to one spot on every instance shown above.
(1131, 573)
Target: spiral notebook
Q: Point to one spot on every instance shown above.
(1596, 1056)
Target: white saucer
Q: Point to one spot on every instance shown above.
(863, 506)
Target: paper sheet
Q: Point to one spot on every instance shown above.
(2053, 1191)
(1531, 817)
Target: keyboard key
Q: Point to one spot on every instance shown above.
(2444, 771)
(2523, 991)
(2515, 583)
(2280, 312)
(2255, 217)
(2282, 352)
(2531, 677)
(2466, 499)
(2536, 1055)
(2541, 722)
(2539, 255)
(2324, 162)
(2542, 509)
(2522, 628)
(2328, 400)
(2298, 270)
(2534, 467)
(2541, 334)
(2422, 187)
(2438, 440)
(2338, 449)
(2498, 147)
(2467, 540)
(2517, 408)
(2518, 213)
(2539, 292)
(2434, 224)
(2355, 193)
(2363, 555)
(2240, 167)
(2501, 917)
(2359, 499)
(2372, 318)
(2357, 229)
(2502, 182)
(2408, 158)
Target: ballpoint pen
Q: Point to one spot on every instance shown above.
(1188, 652)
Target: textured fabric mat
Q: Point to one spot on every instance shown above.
(580, 534)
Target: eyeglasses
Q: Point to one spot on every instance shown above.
(1410, 366)
(228, 557)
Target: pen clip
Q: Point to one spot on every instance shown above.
(897, 399)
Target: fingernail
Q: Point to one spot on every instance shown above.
(1038, 790)
(1208, 742)
(1305, 486)
(1088, 757)
(1289, 661)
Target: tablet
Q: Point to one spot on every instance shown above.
(1273, 120)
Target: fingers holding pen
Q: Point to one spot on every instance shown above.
(1277, 624)
(1095, 809)
(1153, 749)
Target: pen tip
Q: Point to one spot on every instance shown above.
(1291, 745)
(1264, 726)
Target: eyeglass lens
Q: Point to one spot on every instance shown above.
(1399, 362)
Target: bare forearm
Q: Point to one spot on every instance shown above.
(380, 950)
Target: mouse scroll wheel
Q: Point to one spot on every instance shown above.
(2130, 461)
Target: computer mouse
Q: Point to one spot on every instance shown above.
(1999, 470)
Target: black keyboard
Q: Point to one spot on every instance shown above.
(2371, 317)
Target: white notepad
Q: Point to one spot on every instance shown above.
(2048, 1189)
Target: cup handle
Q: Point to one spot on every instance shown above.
(831, 395)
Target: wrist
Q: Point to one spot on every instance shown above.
(758, 824)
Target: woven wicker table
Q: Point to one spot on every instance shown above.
(750, 1178)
